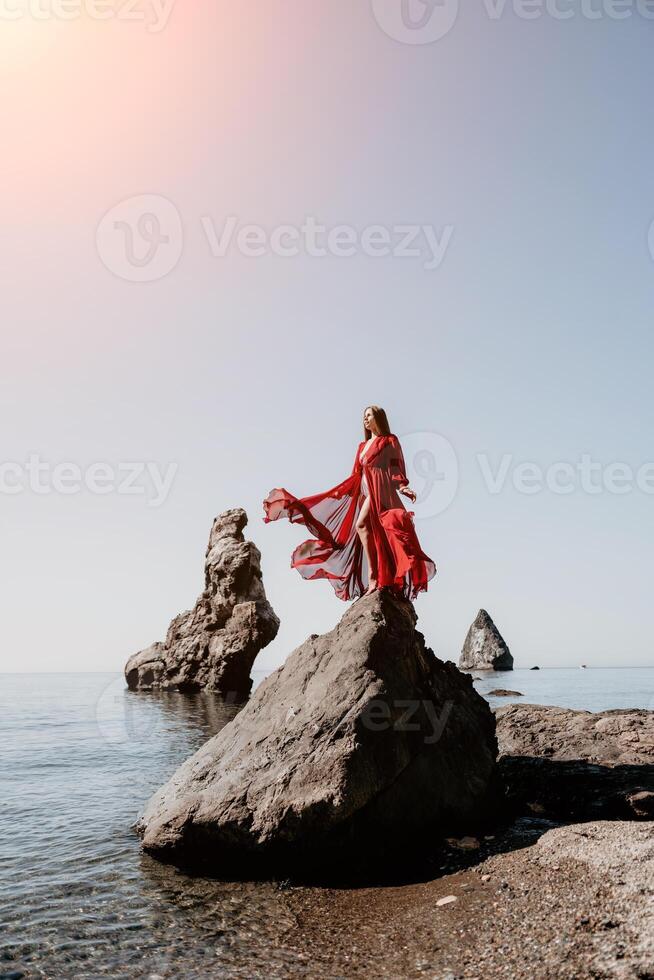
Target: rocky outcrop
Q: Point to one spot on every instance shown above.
(484, 648)
(577, 765)
(360, 746)
(500, 692)
(619, 737)
(214, 645)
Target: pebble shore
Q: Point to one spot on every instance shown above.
(574, 902)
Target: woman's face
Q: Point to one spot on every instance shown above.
(369, 421)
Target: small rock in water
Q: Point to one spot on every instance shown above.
(463, 843)
(447, 900)
(501, 692)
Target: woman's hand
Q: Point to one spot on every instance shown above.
(408, 492)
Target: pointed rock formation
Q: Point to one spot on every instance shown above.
(214, 645)
(484, 648)
(359, 748)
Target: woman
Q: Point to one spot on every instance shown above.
(361, 515)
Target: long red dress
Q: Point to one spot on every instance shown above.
(336, 552)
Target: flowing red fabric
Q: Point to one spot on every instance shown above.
(336, 552)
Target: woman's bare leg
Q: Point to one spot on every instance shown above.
(364, 532)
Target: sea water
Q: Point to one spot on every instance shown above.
(79, 757)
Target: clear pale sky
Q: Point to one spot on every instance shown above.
(530, 140)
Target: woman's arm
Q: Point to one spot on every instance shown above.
(397, 468)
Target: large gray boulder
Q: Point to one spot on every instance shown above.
(360, 746)
(214, 645)
(577, 765)
(484, 648)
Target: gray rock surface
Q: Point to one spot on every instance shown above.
(359, 744)
(622, 858)
(484, 647)
(214, 645)
(622, 736)
(578, 764)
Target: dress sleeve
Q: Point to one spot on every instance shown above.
(397, 467)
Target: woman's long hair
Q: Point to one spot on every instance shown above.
(379, 416)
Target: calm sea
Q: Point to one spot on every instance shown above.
(80, 755)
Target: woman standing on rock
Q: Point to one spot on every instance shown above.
(362, 515)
